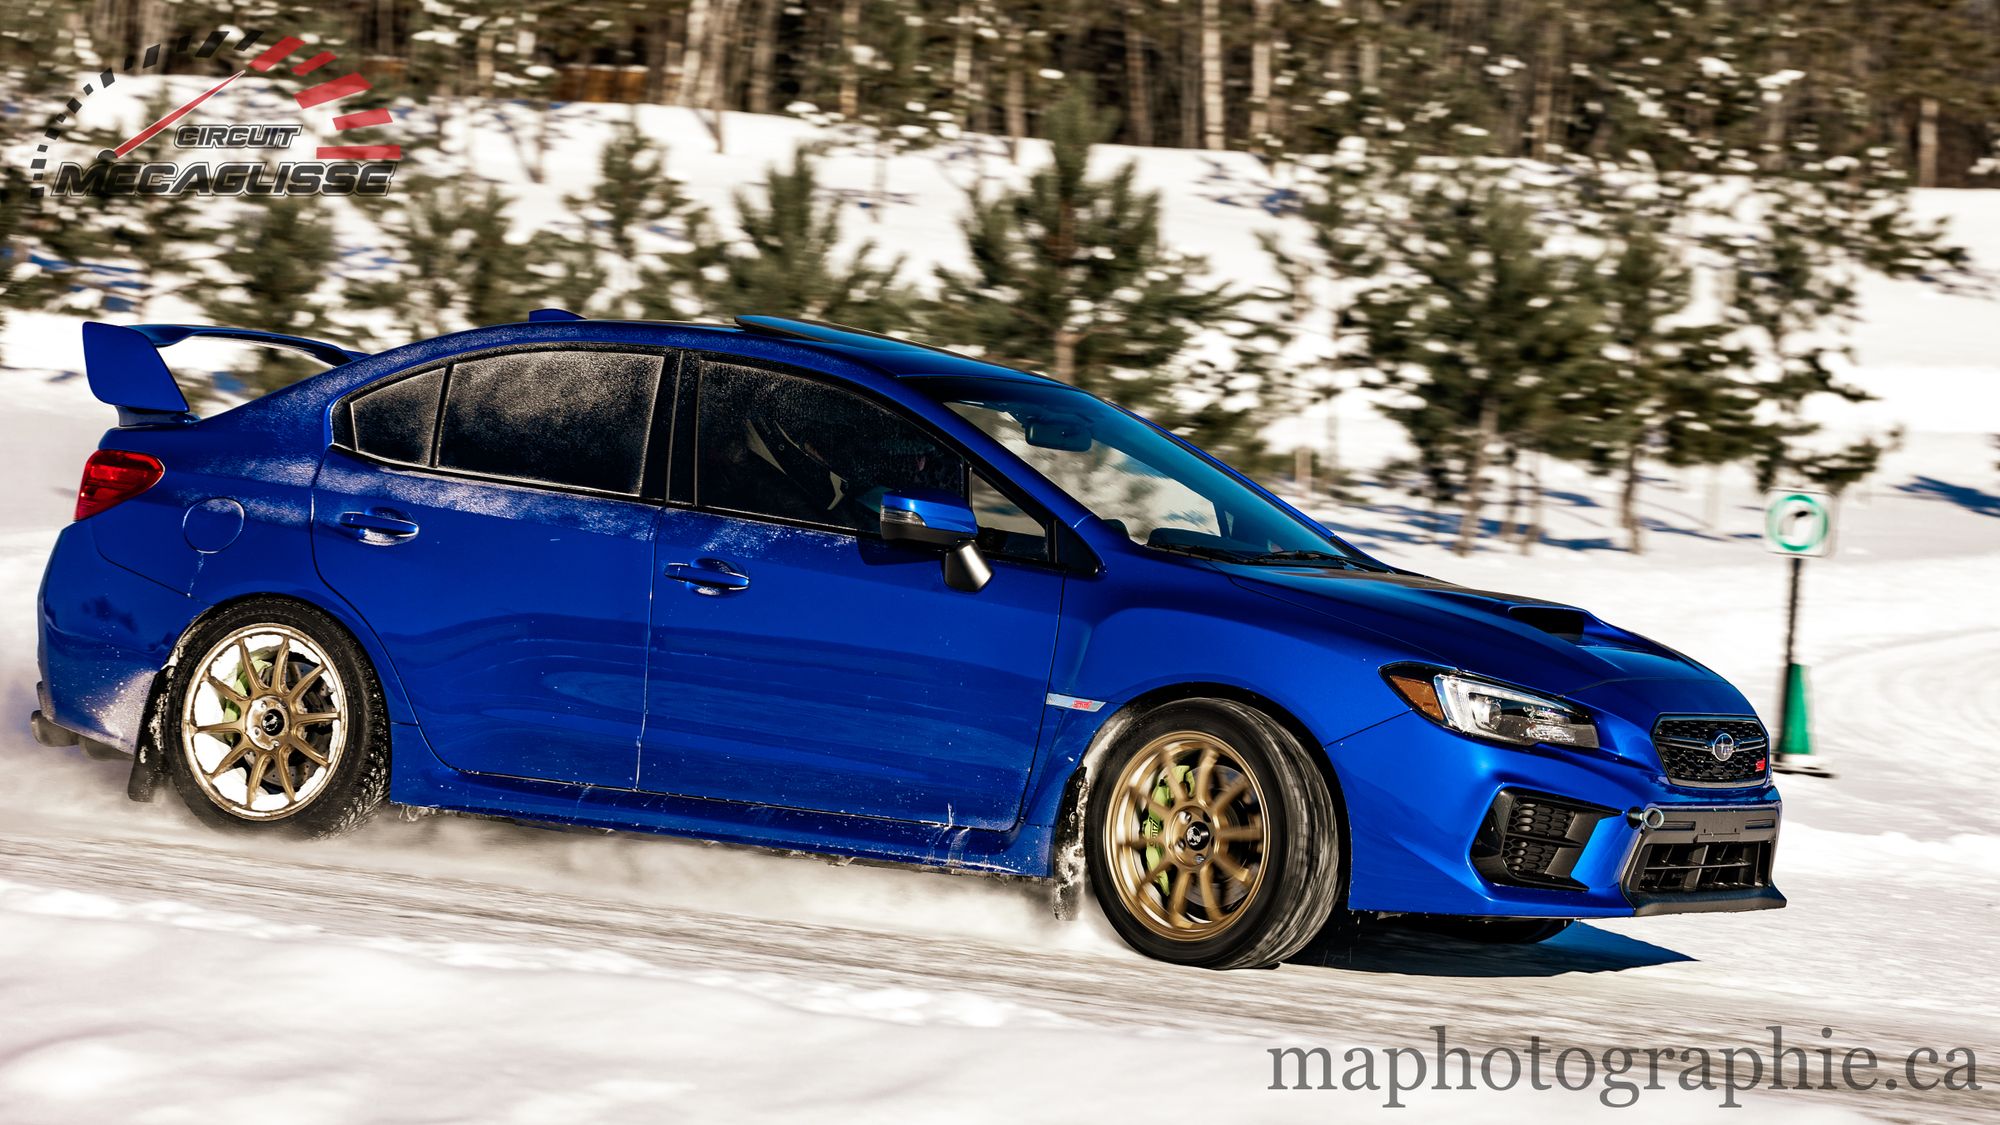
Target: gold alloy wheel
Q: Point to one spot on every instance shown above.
(1187, 836)
(264, 725)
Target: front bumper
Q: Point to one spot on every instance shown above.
(1418, 798)
(1696, 859)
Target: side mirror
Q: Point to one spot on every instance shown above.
(944, 521)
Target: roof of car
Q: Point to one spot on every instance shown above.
(891, 354)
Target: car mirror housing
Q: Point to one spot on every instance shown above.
(931, 519)
(944, 521)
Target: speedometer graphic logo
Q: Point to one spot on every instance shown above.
(179, 154)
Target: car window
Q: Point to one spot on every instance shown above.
(1134, 477)
(1132, 495)
(1005, 528)
(579, 419)
(395, 422)
(794, 449)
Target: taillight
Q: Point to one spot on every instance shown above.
(113, 476)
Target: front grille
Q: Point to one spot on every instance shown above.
(1670, 869)
(1533, 840)
(1687, 747)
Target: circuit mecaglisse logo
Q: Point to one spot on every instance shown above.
(364, 168)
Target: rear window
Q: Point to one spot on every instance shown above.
(395, 422)
(578, 419)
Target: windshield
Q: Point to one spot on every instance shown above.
(1132, 476)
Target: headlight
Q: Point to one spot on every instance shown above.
(1484, 709)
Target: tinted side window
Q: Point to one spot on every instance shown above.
(777, 445)
(396, 421)
(579, 419)
(791, 448)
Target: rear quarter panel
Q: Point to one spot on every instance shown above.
(231, 517)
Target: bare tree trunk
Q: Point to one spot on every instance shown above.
(1260, 74)
(1065, 354)
(961, 64)
(694, 56)
(1370, 60)
(1531, 532)
(1475, 471)
(1927, 142)
(1212, 122)
(1543, 123)
(653, 56)
(1776, 121)
(486, 46)
(1510, 524)
(1628, 502)
(881, 191)
(850, 38)
(1138, 100)
(1190, 73)
(763, 55)
(1457, 34)
(722, 40)
(1017, 94)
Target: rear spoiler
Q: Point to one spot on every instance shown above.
(125, 370)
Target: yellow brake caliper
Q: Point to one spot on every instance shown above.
(1152, 827)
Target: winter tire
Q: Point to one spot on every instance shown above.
(273, 722)
(1211, 840)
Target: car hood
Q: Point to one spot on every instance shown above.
(1540, 644)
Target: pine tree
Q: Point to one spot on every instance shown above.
(16, 291)
(1069, 275)
(1795, 257)
(787, 261)
(617, 267)
(905, 109)
(456, 264)
(1667, 388)
(1484, 330)
(276, 266)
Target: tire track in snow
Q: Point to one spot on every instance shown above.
(1382, 998)
(1912, 728)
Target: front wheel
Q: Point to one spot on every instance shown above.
(1211, 840)
(273, 721)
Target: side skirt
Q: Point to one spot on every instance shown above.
(418, 779)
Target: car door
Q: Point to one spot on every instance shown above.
(488, 519)
(801, 661)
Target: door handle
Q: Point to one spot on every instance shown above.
(709, 576)
(377, 526)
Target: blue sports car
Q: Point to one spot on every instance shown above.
(793, 585)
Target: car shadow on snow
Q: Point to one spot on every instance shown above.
(1388, 948)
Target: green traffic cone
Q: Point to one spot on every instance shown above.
(1795, 751)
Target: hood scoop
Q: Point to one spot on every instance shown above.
(1555, 620)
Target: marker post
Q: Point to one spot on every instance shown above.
(1798, 525)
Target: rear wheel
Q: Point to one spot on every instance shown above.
(1211, 840)
(274, 722)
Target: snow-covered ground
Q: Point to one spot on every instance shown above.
(446, 969)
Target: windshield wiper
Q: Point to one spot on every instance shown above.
(1197, 550)
(1296, 556)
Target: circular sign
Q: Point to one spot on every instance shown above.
(1798, 523)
